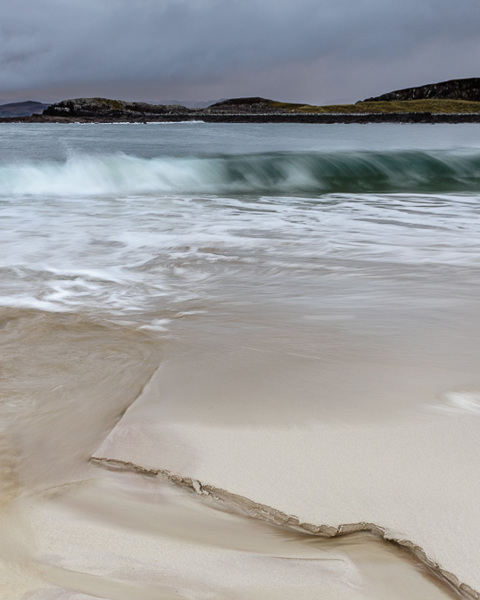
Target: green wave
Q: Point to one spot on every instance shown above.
(287, 173)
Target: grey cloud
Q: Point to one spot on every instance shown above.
(48, 43)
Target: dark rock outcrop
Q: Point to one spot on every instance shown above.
(455, 89)
(106, 109)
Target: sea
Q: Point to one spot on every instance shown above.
(303, 273)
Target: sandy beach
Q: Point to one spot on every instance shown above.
(411, 478)
(248, 374)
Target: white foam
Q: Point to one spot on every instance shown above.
(121, 253)
(460, 402)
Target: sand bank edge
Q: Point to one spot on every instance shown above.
(245, 506)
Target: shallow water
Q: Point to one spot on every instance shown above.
(277, 275)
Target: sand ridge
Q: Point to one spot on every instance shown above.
(236, 503)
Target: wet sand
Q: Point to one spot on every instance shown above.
(71, 530)
(122, 537)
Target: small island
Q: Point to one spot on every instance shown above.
(453, 101)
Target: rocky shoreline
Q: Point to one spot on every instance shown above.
(279, 117)
(454, 101)
(415, 106)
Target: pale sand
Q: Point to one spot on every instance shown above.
(130, 538)
(416, 477)
(60, 541)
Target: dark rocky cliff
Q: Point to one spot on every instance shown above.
(104, 108)
(455, 89)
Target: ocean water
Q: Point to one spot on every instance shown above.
(283, 274)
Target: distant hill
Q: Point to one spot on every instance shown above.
(253, 103)
(22, 109)
(454, 89)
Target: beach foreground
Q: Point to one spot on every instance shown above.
(239, 361)
(319, 465)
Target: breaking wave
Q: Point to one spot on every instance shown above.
(268, 173)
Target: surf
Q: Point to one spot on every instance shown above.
(279, 173)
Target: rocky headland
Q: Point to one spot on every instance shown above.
(454, 101)
(454, 89)
(104, 109)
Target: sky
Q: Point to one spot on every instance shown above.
(315, 51)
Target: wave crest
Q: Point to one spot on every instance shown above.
(310, 173)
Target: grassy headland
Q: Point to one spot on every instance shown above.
(434, 106)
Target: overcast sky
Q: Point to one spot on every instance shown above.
(317, 51)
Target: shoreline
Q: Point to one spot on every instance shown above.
(316, 118)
